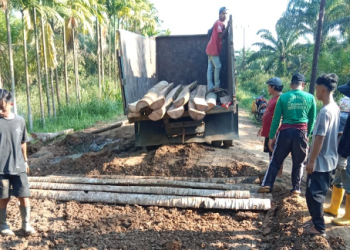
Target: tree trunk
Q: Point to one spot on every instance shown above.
(211, 100)
(12, 72)
(30, 118)
(154, 200)
(159, 102)
(98, 58)
(151, 96)
(159, 114)
(77, 88)
(146, 182)
(317, 46)
(57, 89)
(199, 99)
(109, 48)
(38, 70)
(192, 111)
(115, 55)
(53, 94)
(184, 96)
(65, 64)
(174, 112)
(238, 194)
(45, 66)
(102, 61)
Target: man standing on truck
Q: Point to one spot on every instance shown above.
(218, 32)
(275, 88)
(298, 112)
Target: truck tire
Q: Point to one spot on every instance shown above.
(228, 143)
(216, 143)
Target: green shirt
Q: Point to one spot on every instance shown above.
(296, 107)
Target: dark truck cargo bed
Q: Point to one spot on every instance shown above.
(182, 60)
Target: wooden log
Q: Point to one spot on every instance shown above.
(159, 102)
(112, 126)
(159, 114)
(49, 136)
(211, 100)
(132, 107)
(184, 96)
(174, 112)
(151, 96)
(145, 182)
(228, 180)
(199, 99)
(237, 194)
(154, 200)
(192, 111)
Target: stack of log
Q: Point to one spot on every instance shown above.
(238, 193)
(164, 98)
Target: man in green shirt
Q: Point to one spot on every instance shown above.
(298, 112)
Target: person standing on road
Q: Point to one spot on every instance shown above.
(344, 167)
(341, 181)
(298, 111)
(323, 157)
(275, 88)
(214, 48)
(13, 164)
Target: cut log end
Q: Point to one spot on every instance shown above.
(158, 103)
(176, 113)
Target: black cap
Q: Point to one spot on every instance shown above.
(297, 77)
(345, 89)
(275, 81)
(222, 9)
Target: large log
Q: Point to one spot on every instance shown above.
(174, 112)
(49, 136)
(151, 96)
(159, 114)
(154, 200)
(159, 102)
(145, 182)
(199, 99)
(192, 111)
(132, 107)
(112, 126)
(211, 100)
(228, 180)
(238, 194)
(184, 96)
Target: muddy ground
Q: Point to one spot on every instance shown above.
(73, 225)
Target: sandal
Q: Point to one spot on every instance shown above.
(307, 231)
(308, 224)
(265, 189)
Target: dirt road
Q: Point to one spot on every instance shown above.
(72, 225)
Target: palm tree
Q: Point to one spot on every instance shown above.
(5, 7)
(278, 51)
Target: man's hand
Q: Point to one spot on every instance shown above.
(342, 163)
(27, 168)
(272, 144)
(310, 167)
(259, 132)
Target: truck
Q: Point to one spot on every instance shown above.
(180, 59)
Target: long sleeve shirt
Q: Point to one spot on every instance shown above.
(294, 107)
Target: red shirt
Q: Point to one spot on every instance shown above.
(214, 45)
(268, 115)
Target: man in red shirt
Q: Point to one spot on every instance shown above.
(275, 87)
(214, 48)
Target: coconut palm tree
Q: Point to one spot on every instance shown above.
(278, 50)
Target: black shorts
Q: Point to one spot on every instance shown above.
(19, 184)
(266, 146)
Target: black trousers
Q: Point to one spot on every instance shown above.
(288, 141)
(316, 191)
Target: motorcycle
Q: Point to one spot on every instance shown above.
(259, 106)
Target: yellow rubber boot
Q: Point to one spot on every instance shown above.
(337, 198)
(345, 220)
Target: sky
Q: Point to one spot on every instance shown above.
(185, 17)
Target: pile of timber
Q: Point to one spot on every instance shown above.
(237, 193)
(164, 98)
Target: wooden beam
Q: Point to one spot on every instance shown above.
(199, 99)
(174, 112)
(151, 96)
(211, 100)
(184, 96)
(159, 102)
(193, 112)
